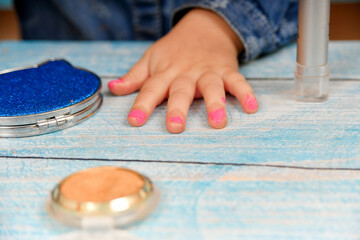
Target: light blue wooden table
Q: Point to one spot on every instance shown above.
(291, 171)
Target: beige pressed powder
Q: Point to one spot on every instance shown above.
(107, 195)
(101, 184)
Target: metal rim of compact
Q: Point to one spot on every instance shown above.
(116, 212)
(42, 123)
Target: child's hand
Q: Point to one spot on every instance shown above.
(198, 58)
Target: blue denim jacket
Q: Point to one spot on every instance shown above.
(262, 25)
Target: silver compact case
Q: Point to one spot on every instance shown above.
(46, 97)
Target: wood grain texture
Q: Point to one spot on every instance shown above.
(284, 132)
(199, 202)
(290, 171)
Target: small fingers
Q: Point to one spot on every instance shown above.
(181, 95)
(151, 94)
(133, 80)
(212, 89)
(236, 84)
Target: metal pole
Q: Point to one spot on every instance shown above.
(312, 71)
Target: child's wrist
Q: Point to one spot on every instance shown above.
(210, 17)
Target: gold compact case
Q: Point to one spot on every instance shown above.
(103, 198)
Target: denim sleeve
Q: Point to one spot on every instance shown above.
(262, 25)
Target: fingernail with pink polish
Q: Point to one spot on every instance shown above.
(176, 119)
(218, 115)
(223, 100)
(111, 84)
(251, 102)
(139, 115)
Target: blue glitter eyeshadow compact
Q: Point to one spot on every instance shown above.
(47, 97)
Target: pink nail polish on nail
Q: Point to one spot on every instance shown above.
(111, 84)
(251, 102)
(223, 99)
(139, 115)
(218, 115)
(176, 119)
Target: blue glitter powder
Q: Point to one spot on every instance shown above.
(53, 85)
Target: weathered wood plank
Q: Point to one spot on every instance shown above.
(199, 201)
(283, 131)
(116, 57)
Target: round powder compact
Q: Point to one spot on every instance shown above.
(46, 97)
(103, 198)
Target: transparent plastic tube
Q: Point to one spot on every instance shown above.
(312, 71)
